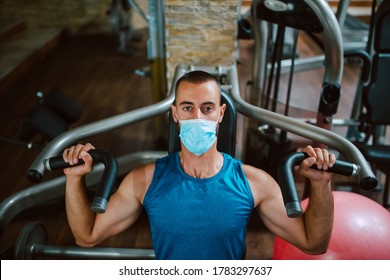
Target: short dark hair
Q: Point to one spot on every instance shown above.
(196, 77)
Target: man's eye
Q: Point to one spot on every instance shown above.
(187, 109)
(207, 109)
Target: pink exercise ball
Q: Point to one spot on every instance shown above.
(361, 231)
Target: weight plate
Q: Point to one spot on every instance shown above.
(33, 233)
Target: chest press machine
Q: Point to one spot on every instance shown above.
(32, 241)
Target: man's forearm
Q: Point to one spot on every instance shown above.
(78, 210)
(319, 217)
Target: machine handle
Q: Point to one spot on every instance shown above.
(287, 182)
(104, 189)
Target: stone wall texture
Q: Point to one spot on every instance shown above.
(200, 32)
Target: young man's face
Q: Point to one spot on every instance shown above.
(198, 101)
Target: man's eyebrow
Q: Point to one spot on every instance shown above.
(191, 103)
(186, 103)
(209, 103)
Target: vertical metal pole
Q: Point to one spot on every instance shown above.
(341, 13)
(260, 31)
(156, 56)
(334, 59)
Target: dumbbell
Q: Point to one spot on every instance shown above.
(32, 244)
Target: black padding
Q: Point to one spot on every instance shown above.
(376, 95)
(226, 133)
(42, 121)
(382, 28)
(62, 105)
(298, 15)
(379, 154)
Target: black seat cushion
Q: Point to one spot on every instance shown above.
(377, 154)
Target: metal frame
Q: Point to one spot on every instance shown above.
(332, 35)
(52, 189)
(261, 68)
(332, 60)
(304, 64)
(45, 191)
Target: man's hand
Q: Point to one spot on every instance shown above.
(73, 155)
(322, 158)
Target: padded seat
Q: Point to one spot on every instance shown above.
(380, 154)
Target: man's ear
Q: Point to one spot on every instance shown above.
(174, 114)
(222, 112)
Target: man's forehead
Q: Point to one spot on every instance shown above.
(204, 92)
(197, 99)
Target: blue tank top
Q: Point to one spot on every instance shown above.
(193, 218)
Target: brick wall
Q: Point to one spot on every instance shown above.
(200, 32)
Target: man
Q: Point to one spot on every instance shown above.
(198, 200)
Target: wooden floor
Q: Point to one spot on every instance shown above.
(103, 83)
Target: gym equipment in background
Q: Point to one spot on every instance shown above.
(355, 32)
(52, 116)
(265, 144)
(120, 21)
(374, 113)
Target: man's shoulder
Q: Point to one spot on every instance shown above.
(256, 174)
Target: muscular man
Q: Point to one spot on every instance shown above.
(199, 200)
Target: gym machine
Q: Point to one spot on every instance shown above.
(53, 189)
(32, 242)
(355, 32)
(120, 21)
(264, 142)
(314, 16)
(52, 116)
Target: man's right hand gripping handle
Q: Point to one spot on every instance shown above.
(104, 190)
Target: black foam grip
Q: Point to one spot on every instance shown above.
(287, 182)
(56, 163)
(107, 181)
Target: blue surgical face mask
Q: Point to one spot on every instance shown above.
(198, 135)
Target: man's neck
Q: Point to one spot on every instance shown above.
(204, 166)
